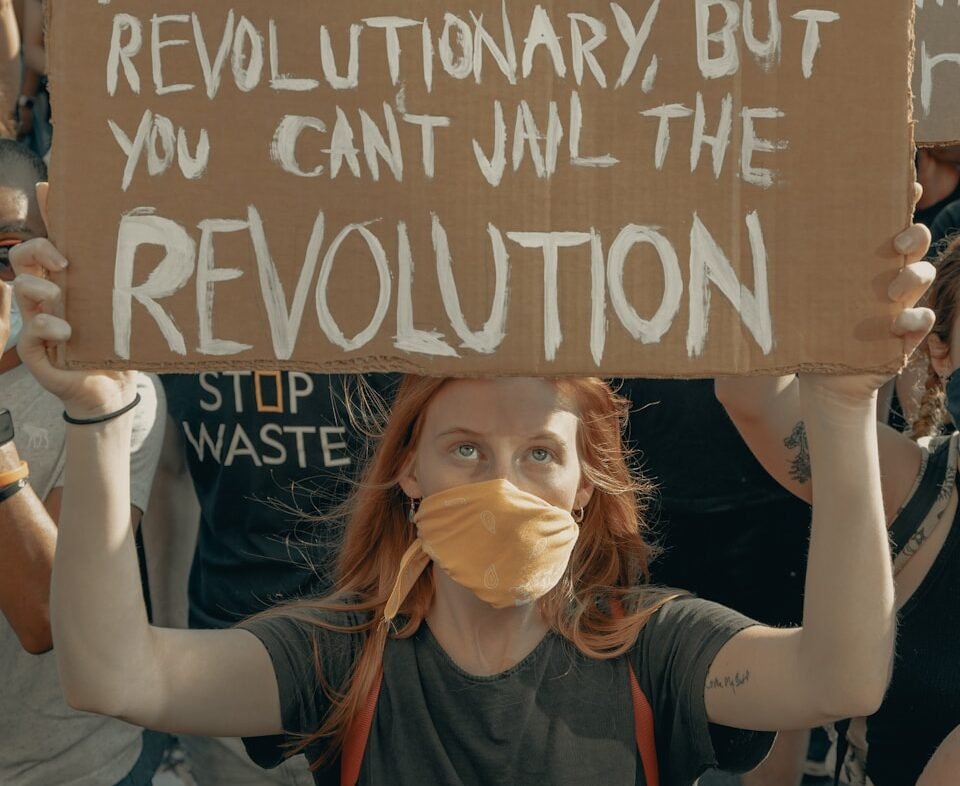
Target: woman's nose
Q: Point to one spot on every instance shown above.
(503, 468)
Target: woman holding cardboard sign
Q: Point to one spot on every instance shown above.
(921, 710)
(491, 624)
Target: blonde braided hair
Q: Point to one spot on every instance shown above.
(943, 299)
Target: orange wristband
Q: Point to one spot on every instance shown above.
(6, 478)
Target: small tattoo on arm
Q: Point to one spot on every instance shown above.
(800, 464)
(732, 682)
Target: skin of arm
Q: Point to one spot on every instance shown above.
(838, 664)
(28, 536)
(34, 49)
(944, 765)
(34, 60)
(9, 63)
(170, 528)
(111, 660)
(766, 412)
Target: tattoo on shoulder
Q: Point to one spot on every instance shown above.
(800, 464)
(729, 681)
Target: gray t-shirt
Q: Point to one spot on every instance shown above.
(557, 718)
(42, 740)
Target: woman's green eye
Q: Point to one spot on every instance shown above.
(540, 454)
(466, 451)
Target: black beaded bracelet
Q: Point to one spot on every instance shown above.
(18, 485)
(102, 418)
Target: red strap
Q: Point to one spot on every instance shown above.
(643, 730)
(642, 718)
(355, 744)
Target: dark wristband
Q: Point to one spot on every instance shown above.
(18, 485)
(102, 418)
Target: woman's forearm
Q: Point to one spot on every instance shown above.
(98, 617)
(849, 617)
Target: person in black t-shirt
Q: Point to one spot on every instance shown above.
(938, 171)
(921, 709)
(262, 453)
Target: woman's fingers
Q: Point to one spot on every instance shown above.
(45, 329)
(37, 257)
(36, 295)
(911, 282)
(913, 325)
(913, 242)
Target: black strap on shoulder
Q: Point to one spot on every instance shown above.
(903, 528)
(915, 511)
(841, 727)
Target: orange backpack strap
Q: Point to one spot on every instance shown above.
(642, 718)
(643, 731)
(355, 744)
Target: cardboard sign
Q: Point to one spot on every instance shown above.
(936, 75)
(656, 188)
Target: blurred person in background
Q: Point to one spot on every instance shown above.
(9, 68)
(248, 457)
(33, 103)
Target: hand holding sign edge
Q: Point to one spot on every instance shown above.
(84, 394)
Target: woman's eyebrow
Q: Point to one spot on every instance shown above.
(459, 431)
(550, 436)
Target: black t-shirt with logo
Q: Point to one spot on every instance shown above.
(268, 452)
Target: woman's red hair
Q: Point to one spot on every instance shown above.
(609, 562)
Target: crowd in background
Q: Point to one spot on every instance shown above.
(226, 490)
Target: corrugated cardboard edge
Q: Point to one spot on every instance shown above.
(935, 145)
(392, 364)
(911, 143)
(54, 208)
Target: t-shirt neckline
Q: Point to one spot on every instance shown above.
(431, 641)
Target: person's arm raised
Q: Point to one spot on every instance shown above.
(111, 660)
(838, 664)
(766, 410)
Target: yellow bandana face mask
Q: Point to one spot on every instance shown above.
(506, 546)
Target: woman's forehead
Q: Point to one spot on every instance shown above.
(517, 405)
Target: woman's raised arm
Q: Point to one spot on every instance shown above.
(111, 660)
(838, 664)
